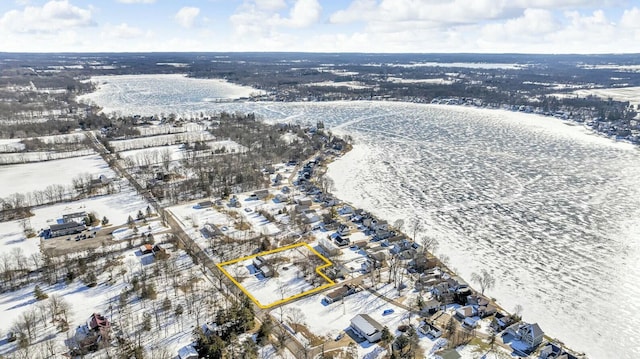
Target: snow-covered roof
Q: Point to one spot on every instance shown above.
(187, 352)
(366, 324)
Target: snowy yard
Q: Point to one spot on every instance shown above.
(291, 274)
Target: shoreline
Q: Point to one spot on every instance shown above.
(360, 151)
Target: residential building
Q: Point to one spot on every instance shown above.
(367, 327)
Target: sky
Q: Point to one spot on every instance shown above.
(388, 26)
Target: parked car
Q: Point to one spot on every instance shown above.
(388, 311)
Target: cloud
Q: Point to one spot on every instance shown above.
(631, 18)
(122, 31)
(303, 13)
(186, 16)
(51, 17)
(136, 1)
(270, 5)
(263, 17)
(533, 25)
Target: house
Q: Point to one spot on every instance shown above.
(77, 217)
(367, 327)
(430, 330)
(277, 179)
(63, 229)
(262, 266)
(341, 292)
(310, 216)
(500, 322)
(234, 202)
(162, 248)
(95, 331)
(466, 312)
(335, 271)
(488, 310)
(329, 247)
(260, 194)
(188, 352)
(470, 322)
(304, 201)
(430, 307)
(378, 254)
(341, 241)
(555, 351)
(146, 248)
(530, 334)
(343, 230)
(102, 180)
(281, 198)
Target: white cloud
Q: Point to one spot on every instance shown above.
(51, 17)
(631, 18)
(186, 16)
(121, 31)
(267, 22)
(136, 1)
(270, 5)
(532, 26)
(303, 13)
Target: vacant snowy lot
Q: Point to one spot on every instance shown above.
(29, 177)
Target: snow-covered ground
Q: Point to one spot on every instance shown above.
(84, 301)
(116, 207)
(349, 84)
(551, 210)
(30, 177)
(631, 94)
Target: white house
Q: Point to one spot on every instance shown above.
(367, 327)
(531, 334)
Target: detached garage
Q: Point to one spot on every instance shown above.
(367, 327)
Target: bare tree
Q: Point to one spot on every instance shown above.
(484, 279)
(296, 318)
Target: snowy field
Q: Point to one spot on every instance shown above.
(631, 94)
(160, 140)
(116, 207)
(151, 155)
(28, 177)
(40, 156)
(551, 210)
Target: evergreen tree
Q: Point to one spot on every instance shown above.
(39, 293)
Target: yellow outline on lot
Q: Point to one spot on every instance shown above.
(314, 290)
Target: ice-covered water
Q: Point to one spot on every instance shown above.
(134, 90)
(551, 210)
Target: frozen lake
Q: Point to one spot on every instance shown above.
(551, 210)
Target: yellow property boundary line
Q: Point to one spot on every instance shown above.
(314, 290)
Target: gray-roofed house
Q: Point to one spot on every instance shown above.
(531, 334)
(63, 229)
